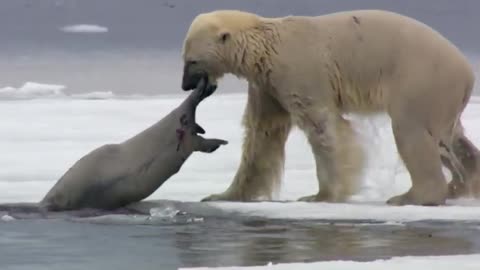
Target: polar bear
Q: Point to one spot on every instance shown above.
(311, 71)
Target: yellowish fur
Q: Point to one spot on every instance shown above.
(233, 20)
(308, 71)
(267, 127)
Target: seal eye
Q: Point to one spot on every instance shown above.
(183, 120)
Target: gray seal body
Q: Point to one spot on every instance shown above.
(115, 175)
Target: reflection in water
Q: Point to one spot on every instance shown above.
(257, 242)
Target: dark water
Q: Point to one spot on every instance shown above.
(140, 53)
(212, 238)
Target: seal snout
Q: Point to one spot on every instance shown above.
(192, 75)
(205, 88)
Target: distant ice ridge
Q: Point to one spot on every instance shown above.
(32, 90)
(95, 95)
(39, 90)
(84, 28)
(35, 90)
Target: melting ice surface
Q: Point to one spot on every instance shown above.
(43, 132)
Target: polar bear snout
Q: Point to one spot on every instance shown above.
(192, 74)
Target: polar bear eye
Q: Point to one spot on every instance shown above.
(224, 37)
(192, 62)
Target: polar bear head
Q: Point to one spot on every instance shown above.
(211, 45)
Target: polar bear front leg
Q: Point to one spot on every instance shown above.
(267, 126)
(338, 156)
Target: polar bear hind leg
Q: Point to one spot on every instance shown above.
(419, 149)
(462, 158)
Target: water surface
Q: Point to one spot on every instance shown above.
(174, 238)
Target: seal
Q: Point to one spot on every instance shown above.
(115, 175)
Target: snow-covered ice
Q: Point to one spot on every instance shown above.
(43, 132)
(457, 262)
(353, 211)
(44, 136)
(7, 218)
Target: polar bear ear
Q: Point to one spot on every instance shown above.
(224, 37)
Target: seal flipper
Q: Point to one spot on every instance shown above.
(208, 145)
(199, 129)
